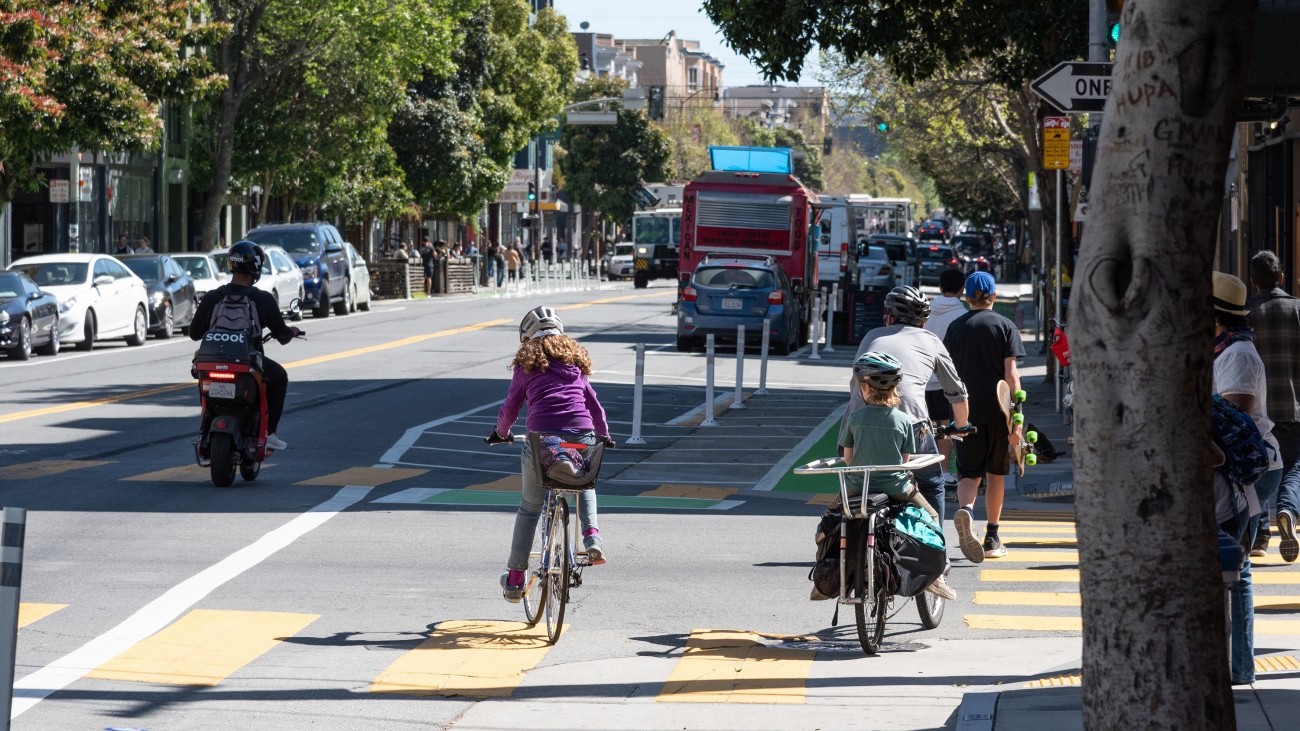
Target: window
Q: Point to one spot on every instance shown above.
(115, 269)
(693, 79)
(734, 276)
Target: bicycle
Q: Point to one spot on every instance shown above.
(554, 567)
(873, 591)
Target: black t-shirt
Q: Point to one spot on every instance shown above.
(979, 342)
(268, 313)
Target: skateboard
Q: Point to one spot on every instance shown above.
(1012, 405)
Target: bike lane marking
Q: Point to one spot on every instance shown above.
(467, 658)
(727, 666)
(32, 612)
(159, 613)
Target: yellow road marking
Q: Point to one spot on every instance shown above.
(29, 612)
(822, 498)
(721, 666)
(509, 483)
(1057, 575)
(184, 473)
(1271, 559)
(45, 468)
(1015, 540)
(1266, 601)
(1025, 622)
(1019, 528)
(371, 476)
(202, 648)
(1028, 598)
(76, 405)
(1277, 626)
(1033, 517)
(623, 298)
(1053, 556)
(1273, 579)
(394, 344)
(1276, 662)
(473, 659)
(703, 492)
(1058, 681)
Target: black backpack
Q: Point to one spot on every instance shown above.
(234, 330)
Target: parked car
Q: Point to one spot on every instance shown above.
(933, 230)
(318, 250)
(725, 292)
(99, 298)
(934, 259)
(620, 264)
(874, 267)
(29, 317)
(206, 274)
(902, 256)
(359, 277)
(280, 276)
(172, 295)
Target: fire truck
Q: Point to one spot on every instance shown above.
(736, 211)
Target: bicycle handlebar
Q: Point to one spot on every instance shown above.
(495, 439)
(950, 431)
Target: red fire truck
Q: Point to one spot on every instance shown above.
(726, 212)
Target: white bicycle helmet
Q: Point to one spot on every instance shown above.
(538, 323)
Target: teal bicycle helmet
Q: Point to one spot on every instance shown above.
(881, 370)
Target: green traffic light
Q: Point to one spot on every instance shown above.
(882, 126)
(1114, 34)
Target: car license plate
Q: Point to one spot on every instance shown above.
(731, 303)
(221, 390)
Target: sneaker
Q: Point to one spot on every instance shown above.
(993, 547)
(1290, 547)
(274, 442)
(949, 480)
(513, 594)
(940, 587)
(595, 550)
(561, 469)
(1260, 549)
(970, 545)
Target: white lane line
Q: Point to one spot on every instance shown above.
(159, 613)
(412, 435)
(779, 469)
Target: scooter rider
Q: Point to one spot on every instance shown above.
(245, 263)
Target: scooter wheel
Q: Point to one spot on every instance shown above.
(221, 450)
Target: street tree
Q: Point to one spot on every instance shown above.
(458, 130)
(602, 164)
(92, 75)
(807, 158)
(690, 132)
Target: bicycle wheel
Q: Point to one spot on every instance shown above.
(557, 575)
(535, 583)
(930, 607)
(866, 609)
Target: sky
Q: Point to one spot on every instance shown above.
(654, 18)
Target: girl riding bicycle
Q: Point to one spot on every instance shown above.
(551, 372)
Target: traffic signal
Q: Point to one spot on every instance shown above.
(532, 192)
(882, 126)
(655, 102)
(828, 143)
(1113, 10)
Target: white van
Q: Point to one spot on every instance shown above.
(835, 234)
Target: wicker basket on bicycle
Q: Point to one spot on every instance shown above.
(551, 451)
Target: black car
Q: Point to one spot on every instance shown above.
(934, 259)
(172, 295)
(933, 230)
(28, 316)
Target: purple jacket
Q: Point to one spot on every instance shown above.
(560, 399)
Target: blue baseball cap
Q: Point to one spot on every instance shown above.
(980, 283)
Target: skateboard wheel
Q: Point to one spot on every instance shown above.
(1031, 436)
(1020, 395)
(1017, 418)
(1031, 459)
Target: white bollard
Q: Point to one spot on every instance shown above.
(830, 317)
(762, 360)
(739, 401)
(11, 573)
(708, 382)
(816, 325)
(636, 396)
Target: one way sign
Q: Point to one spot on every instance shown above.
(1075, 86)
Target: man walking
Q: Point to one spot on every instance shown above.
(1275, 316)
(943, 310)
(984, 347)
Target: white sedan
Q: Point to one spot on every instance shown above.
(280, 276)
(358, 279)
(99, 298)
(203, 269)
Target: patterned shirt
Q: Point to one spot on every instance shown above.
(1275, 315)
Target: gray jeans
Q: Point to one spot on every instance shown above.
(530, 506)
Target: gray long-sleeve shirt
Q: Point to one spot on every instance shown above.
(921, 353)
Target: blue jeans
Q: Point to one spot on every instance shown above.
(929, 480)
(1242, 594)
(530, 507)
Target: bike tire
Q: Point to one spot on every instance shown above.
(866, 611)
(535, 580)
(930, 607)
(557, 575)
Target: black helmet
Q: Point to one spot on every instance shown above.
(540, 322)
(908, 306)
(246, 257)
(881, 370)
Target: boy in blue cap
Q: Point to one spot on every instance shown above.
(984, 347)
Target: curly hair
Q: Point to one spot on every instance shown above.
(536, 355)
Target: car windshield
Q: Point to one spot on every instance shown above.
(10, 285)
(150, 270)
(300, 241)
(734, 276)
(54, 273)
(195, 266)
(934, 253)
(622, 250)
(653, 230)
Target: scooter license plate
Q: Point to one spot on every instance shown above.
(221, 390)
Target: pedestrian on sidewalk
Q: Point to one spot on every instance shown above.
(1275, 316)
(513, 260)
(921, 355)
(984, 347)
(943, 310)
(1239, 378)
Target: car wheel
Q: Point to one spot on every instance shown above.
(783, 347)
(365, 306)
(52, 347)
(88, 333)
(323, 308)
(141, 328)
(641, 280)
(297, 316)
(683, 345)
(352, 302)
(168, 323)
(24, 349)
(344, 306)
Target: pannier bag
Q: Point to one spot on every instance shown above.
(917, 545)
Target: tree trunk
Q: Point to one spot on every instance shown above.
(1154, 647)
(223, 152)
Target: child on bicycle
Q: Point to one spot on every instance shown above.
(551, 373)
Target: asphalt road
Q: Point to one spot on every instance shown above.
(354, 584)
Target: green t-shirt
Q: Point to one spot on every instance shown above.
(880, 435)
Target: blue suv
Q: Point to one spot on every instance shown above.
(736, 289)
(317, 249)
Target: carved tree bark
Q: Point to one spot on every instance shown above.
(1154, 654)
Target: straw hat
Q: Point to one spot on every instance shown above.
(1229, 294)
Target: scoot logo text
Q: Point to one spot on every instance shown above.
(224, 337)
